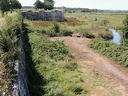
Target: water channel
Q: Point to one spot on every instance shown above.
(116, 36)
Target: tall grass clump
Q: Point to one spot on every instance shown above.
(9, 49)
(111, 50)
(50, 69)
(105, 35)
(105, 22)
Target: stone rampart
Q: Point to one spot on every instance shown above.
(45, 16)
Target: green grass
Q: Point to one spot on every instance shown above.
(114, 19)
(55, 74)
(9, 50)
(50, 69)
(90, 25)
(111, 50)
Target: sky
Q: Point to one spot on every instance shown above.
(92, 4)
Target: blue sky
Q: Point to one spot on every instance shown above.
(92, 4)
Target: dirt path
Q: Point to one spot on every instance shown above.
(105, 77)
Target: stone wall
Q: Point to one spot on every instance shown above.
(45, 16)
(20, 87)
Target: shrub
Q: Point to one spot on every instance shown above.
(72, 66)
(88, 34)
(104, 22)
(78, 89)
(96, 19)
(65, 32)
(50, 33)
(106, 35)
(56, 28)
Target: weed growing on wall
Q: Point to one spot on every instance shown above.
(9, 50)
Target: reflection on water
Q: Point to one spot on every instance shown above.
(116, 37)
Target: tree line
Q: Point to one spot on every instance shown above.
(6, 5)
(47, 4)
(125, 32)
(78, 10)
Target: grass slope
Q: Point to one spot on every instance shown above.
(50, 69)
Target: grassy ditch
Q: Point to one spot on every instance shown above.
(50, 69)
(111, 50)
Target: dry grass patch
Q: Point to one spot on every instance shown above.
(40, 23)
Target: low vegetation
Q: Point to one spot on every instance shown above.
(49, 65)
(9, 50)
(111, 50)
(90, 28)
(114, 19)
(124, 34)
(50, 69)
(50, 29)
(116, 52)
(50, 59)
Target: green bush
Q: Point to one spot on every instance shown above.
(78, 89)
(65, 32)
(51, 31)
(56, 28)
(72, 66)
(88, 34)
(104, 22)
(106, 35)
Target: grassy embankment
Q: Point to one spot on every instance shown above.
(9, 30)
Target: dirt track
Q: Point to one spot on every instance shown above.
(114, 74)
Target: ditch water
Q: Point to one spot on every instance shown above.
(116, 37)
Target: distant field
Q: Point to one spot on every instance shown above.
(90, 25)
(115, 19)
